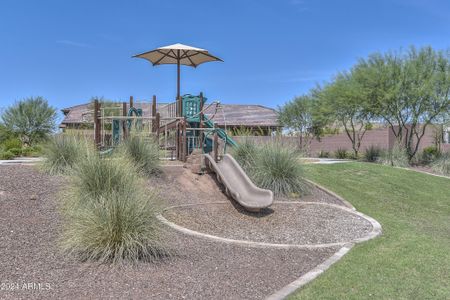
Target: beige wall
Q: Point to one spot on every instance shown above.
(380, 137)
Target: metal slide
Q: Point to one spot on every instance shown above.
(238, 185)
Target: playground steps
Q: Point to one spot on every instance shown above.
(194, 161)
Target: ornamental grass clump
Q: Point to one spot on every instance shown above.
(373, 153)
(442, 164)
(396, 157)
(114, 228)
(62, 152)
(245, 154)
(95, 176)
(143, 153)
(109, 214)
(278, 169)
(341, 153)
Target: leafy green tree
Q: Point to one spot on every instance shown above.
(32, 119)
(343, 103)
(297, 115)
(5, 133)
(409, 91)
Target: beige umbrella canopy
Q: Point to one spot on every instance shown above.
(178, 54)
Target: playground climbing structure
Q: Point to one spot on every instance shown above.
(185, 133)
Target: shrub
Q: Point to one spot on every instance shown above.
(32, 151)
(373, 153)
(429, 154)
(144, 154)
(6, 155)
(33, 119)
(396, 157)
(341, 153)
(351, 155)
(12, 143)
(16, 151)
(110, 216)
(242, 131)
(442, 164)
(62, 153)
(324, 154)
(95, 176)
(245, 154)
(278, 169)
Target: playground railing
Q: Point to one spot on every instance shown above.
(205, 139)
(168, 110)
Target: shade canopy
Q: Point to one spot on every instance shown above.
(178, 54)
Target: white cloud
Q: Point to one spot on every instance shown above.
(73, 43)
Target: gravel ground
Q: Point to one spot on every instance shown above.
(32, 266)
(282, 223)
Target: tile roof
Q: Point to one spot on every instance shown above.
(225, 114)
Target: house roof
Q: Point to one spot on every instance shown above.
(226, 114)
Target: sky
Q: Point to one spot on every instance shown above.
(273, 50)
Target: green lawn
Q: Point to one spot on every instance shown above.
(411, 259)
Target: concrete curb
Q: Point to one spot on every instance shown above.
(345, 202)
(423, 172)
(376, 229)
(310, 276)
(22, 160)
(314, 273)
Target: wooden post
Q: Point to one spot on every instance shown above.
(97, 124)
(216, 147)
(183, 140)
(177, 137)
(179, 107)
(201, 120)
(155, 124)
(178, 73)
(131, 102)
(124, 122)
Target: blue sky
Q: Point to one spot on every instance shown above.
(69, 51)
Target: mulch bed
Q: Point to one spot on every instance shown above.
(281, 224)
(30, 227)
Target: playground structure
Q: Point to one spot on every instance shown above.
(181, 129)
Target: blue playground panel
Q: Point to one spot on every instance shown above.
(116, 124)
(191, 110)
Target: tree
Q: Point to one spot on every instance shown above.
(408, 91)
(297, 116)
(5, 133)
(32, 119)
(343, 103)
